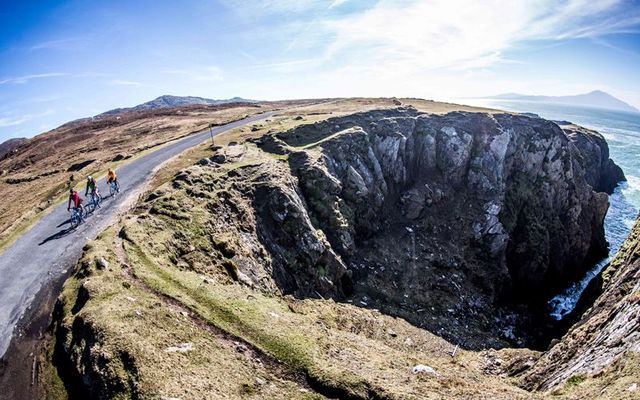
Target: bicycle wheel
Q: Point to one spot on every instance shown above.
(74, 220)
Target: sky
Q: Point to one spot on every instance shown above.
(63, 60)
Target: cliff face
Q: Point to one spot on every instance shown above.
(607, 336)
(600, 171)
(511, 189)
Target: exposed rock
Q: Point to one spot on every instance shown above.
(600, 171)
(423, 369)
(514, 181)
(608, 332)
(499, 209)
(180, 348)
(79, 166)
(101, 263)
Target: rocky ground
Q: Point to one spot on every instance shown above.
(381, 254)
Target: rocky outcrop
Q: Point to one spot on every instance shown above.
(520, 183)
(244, 266)
(460, 214)
(607, 333)
(600, 171)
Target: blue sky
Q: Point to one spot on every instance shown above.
(62, 60)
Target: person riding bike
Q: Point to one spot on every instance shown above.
(92, 187)
(74, 197)
(112, 177)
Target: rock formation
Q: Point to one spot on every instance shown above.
(607, 336)
(7, 147)
(475, 208)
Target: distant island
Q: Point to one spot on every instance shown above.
(596, 98)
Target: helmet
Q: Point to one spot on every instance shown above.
(89, 178)
(71, 190)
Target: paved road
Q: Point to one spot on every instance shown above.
(49, 248)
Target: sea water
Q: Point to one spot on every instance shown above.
(622, 131)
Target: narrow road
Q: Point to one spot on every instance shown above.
(50, 248)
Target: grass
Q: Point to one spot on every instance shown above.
(25, 204)
(51, 384)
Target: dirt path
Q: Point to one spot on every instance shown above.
(33, 267)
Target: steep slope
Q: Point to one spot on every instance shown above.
(606, 341)
(10, 145)
(500, 200)
(600, 171)
(444, 221)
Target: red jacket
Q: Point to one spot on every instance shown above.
(75, 198)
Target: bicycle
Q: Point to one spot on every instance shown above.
(77, 216)
(96, 200)
(114, 188)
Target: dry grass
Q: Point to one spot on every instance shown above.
(36, 178)
(145, 308)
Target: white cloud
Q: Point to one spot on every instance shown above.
(27, 78)
(452, 33)
(21, 119)
(337, 3)
(59, 44)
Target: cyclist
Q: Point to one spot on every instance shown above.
(92, 187)
(75, 198)
(112, 177)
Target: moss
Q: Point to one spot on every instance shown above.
(224, 245)
(50, 382)
(575, 380)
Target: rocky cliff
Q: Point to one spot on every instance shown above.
(453, 213)
(600, 171)
(607, 338)
(477, 218)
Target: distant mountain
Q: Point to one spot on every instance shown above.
(10, 145)
(597, 98)
(168, 101)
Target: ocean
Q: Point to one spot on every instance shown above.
(622, 131)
